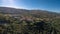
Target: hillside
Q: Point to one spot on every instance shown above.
(7, 10)
(22, 21)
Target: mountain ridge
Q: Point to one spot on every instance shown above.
(24, 9)
(8, 10)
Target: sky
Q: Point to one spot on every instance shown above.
(49, 5)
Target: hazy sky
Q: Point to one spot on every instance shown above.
(50, 5)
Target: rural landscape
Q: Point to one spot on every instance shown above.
(22, 21)
(29, 16)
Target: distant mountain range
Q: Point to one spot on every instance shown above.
(35, 13)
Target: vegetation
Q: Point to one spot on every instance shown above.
(29, 22)
(13, 26)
